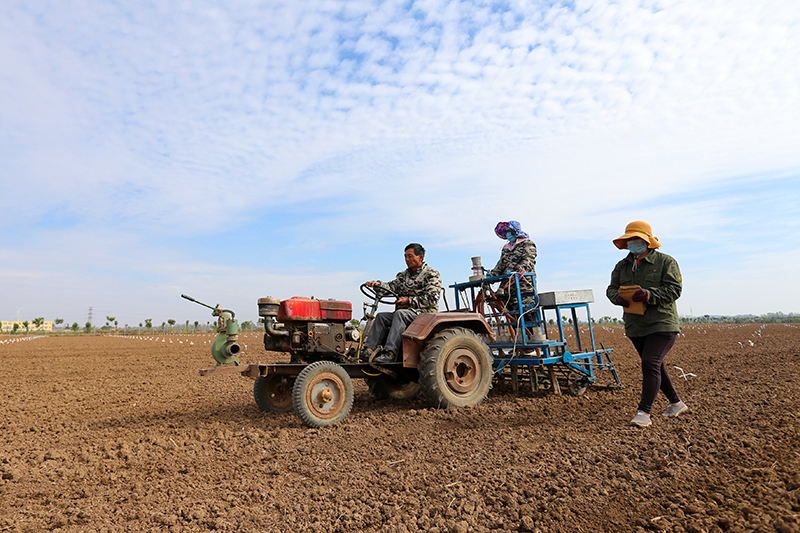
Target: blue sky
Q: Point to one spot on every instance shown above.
(235, 150)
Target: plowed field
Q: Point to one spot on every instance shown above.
(113, 434)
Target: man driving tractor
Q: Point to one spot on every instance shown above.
(418, 289)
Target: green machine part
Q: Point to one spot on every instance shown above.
(225, 348)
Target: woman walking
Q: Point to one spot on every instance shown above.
(646, 283)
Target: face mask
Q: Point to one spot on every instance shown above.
(637, 247)
(511, 237)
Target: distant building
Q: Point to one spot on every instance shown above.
(8, 326)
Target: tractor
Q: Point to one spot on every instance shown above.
(444, 356)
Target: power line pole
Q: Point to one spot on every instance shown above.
(90, 314)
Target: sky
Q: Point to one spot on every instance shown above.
(241, 149)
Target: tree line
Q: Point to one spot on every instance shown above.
(146, 326)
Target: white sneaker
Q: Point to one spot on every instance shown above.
(641, 419)
(675, 409)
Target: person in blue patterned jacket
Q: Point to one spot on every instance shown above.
(517, 255)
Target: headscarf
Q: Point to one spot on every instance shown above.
(514, 227)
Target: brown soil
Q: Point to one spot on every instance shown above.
(122, 434)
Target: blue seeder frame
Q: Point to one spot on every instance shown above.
(522, 337)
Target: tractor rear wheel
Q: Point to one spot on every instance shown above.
(322, 394)
(273, 393)
(387, 388)
(455, 369)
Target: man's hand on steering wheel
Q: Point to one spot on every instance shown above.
(377, 292)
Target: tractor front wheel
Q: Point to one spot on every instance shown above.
(322, 394)
(273, 393)
(455, 369)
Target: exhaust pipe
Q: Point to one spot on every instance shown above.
(268, 309)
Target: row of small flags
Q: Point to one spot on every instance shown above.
(20, 339)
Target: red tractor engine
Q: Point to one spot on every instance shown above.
(310, 329)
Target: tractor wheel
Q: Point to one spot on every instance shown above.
(322, 394)
(273, 393)
(387, 388)
(455, 369)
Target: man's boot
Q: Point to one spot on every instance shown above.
(366, 353)
(384, 357)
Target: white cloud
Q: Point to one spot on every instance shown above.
(389, 118)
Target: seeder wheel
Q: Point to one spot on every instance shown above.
(539, 382)
(577, 383)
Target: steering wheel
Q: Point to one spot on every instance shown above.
(379, 294)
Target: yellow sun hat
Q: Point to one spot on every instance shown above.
(638, 228)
